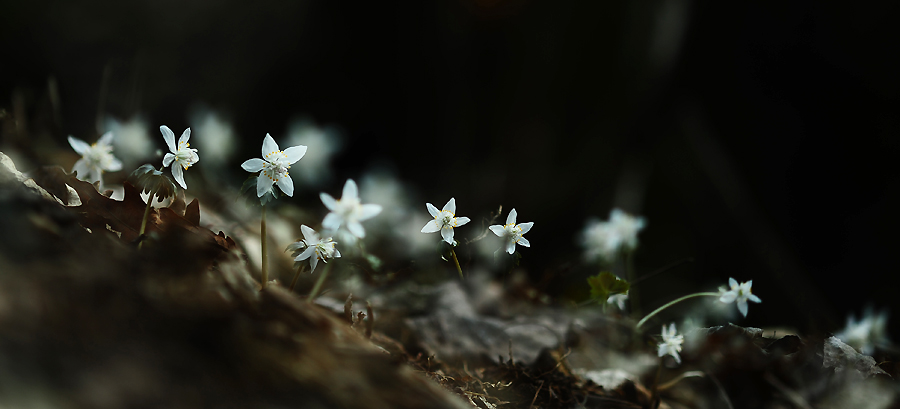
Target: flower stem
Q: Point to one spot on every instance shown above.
(144, 220)
(296, 277)
(265, 253)
(671, 303)
(319, 282)
(456, 261)
(633, 292)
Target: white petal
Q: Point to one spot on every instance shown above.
(115, 165)
(167, 160)
(433, 211)
(306, 253)
(313, 260)
(497, 229)
(185, 136)
(169, 136)
(350, 190)
(510, 246)
(511, 219)
(309, 234)
(287, 185)
(81, 167)
(178, 174)
(525, 227)
(297, 245)
(253, 165)
(451, 205)
(728, 297)
(337, 253)
(742, 307)
(269, 146)
(732, 282)
(106, 139)
(447, 234)
(754, 298)
(368, 211)
(524, 242)
(431, 227)
(328, 201)
(356, 229)
(79, 146)
(662, 350)
(96, 176)
(263, 185)
(461, 221)
(332, 221)
(294, 153)
(676, 356)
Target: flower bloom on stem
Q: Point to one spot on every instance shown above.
(274, 166)
(739, 293)
(315, 248)
(444, 220)
(95, 159)
(512, 232)
(671, 343)
(618, 299)
(605, 239)
(348, 210)
(180, 156)
(867, 333)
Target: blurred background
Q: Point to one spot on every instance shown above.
(760, 140)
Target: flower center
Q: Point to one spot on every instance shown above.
(445, 219)
(325, 249)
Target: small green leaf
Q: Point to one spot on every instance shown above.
(605, 284)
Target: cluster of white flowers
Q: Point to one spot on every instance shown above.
(606, 239)
(738, 293)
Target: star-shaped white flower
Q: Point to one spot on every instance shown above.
(867, 333)
(512, 232)
(739, 293)
(274, 166)
(671, 343)
(180, 156)
(444, 220)
(605, 239)
(618, 299)
(315, 248)
(348, 210)
(95, 158)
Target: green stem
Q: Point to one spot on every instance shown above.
(319, 282)
(671, 303)
(265, 253)
(633, 292)
(456, 261)
(144, 220)
(296, 277)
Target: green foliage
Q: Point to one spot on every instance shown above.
(248, 190)
(606, 284)
(148, 179)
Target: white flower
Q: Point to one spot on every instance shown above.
(867, 333)
(274, 166)
(181, 156)
(95, 158)
(348, 210)
(444, 220)
(605, 239)
(512, 232)
(671, 343)
(315, 248)
(216, 137)
(739, 293)
(618, 299)
(324, 143)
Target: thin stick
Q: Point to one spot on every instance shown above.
(456, 261)
(370, 322)
(669, 304)
(319, 282)
(265, 253)
(296, 277)
(144, 220)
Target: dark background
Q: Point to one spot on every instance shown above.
(759, 139)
